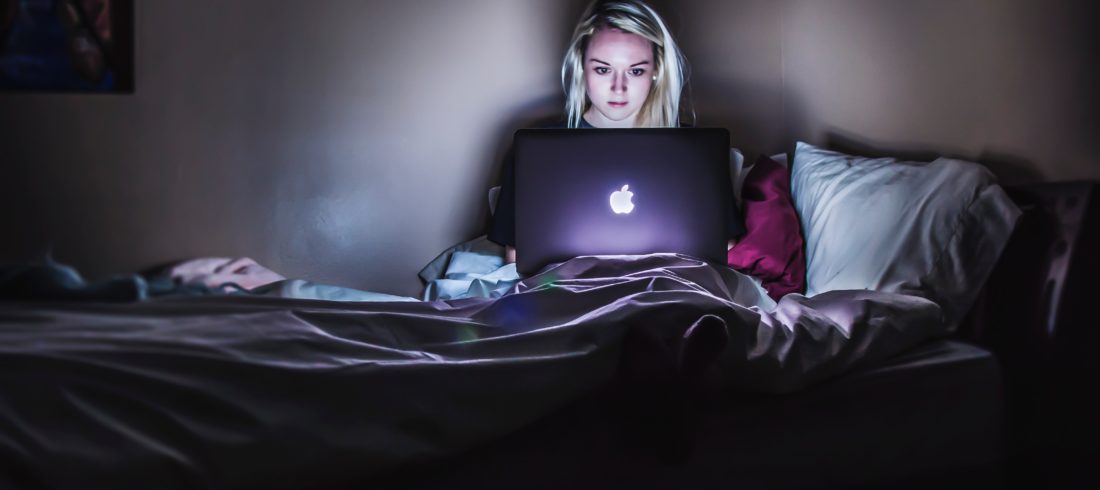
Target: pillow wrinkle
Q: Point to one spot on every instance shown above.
(953, 238)
(932, 229)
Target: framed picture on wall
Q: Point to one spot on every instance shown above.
(67, 45)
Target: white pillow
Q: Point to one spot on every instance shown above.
(494, 194)
(933, 230)
(738, 171)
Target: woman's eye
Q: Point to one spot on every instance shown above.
(637, 72)
(602, 70)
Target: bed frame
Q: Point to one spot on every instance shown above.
(1032, 315)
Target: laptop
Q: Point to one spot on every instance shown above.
(620, 192)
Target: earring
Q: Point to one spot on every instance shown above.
(654, 78)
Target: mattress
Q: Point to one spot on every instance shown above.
(932, 415)
(256, 392)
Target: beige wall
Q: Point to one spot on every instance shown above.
(736, 57)
(344, 141)
(350, 141)
(1011, 83)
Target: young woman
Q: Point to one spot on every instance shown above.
(623, 69)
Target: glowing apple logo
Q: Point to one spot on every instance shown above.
(620, 200)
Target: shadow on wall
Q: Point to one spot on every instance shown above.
(532, 114)
(535, 113)
(758, 115)
(1008, 169)
(752, 112)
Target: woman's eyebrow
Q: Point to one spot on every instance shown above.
(609, 64)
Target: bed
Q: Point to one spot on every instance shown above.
(841, 388)
(934, 415)
(1003, 402)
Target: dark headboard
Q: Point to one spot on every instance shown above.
(1038, 315)
(1038, 293)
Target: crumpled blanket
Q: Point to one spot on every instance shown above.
(472, 269)
(257, 392)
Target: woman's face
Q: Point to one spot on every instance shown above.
(618, 72)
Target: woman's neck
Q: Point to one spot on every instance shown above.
(597, 120)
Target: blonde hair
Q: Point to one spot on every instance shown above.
(662, 105)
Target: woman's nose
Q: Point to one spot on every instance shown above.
(618, 83)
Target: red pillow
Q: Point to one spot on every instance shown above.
(772, 248)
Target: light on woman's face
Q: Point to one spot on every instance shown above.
(618, 73)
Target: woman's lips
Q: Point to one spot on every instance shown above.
(617, 104)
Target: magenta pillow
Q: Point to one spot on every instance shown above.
(772, 248)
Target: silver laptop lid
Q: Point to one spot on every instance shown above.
(620, 192)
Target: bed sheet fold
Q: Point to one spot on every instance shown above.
(258, 392)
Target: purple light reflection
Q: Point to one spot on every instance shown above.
(626, 234)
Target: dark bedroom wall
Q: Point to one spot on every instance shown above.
(343, 141)
(350, 141)
(1012, 83)
(735, 53)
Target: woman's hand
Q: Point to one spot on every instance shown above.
(216, 271)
